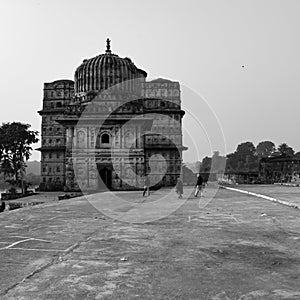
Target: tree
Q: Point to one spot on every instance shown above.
(218, 163)
(15, 150)
(198, 166)
(244, 158)
(297, 155)
(265, 149)
(231, 162)
(188, 175)
(205, 165)
(215, 164)
(246, 148)
(285, 150)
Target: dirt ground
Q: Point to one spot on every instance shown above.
(237, 247)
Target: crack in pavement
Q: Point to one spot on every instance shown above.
(54, 261)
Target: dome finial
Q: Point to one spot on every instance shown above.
(108, 46)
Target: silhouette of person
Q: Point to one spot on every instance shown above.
(146, 186)
(179, 188)
(2, 206)
(199, 185)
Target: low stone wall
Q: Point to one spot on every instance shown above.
(9, 196)
(16, 205)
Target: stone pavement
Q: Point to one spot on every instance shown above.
(232, 247)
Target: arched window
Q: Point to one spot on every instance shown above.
(105, 138)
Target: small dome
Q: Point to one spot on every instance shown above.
(106, 70)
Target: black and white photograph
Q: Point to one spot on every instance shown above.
(150, 150)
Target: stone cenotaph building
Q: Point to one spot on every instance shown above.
(110, 127)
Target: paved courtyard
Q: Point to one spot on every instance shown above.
(234, 247)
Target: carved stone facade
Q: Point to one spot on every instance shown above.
(95, 136)
(57, 96)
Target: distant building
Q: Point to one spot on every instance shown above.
(77, 153)
(279, 169)
(272, 169)
(242, 177)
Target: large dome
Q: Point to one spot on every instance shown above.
(105, 70)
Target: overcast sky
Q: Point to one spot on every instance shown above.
(202, 44)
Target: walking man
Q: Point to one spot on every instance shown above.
(179, 188)
(2, 206)
(199, 185)
(146, 186)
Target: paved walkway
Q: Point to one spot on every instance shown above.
(233, 247)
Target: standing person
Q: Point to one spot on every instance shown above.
(146, 186)
(2, 206)
(199, 186)
(179, 188)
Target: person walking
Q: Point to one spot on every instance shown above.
(2, 206)
(179, 188)
(199, 186)
(146, 186)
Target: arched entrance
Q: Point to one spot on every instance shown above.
(105, 175)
